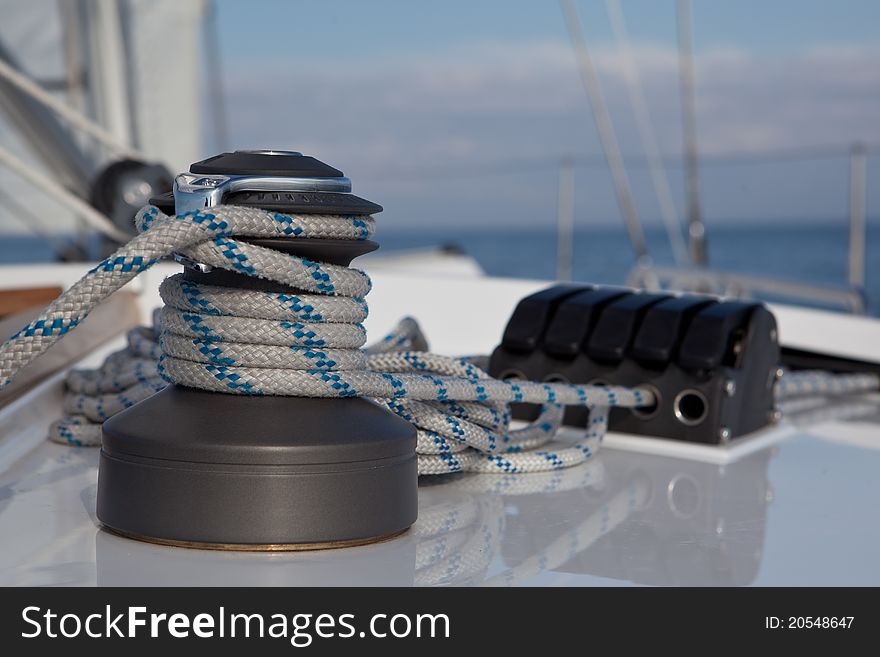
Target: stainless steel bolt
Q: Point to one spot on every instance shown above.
(724, 434)
(730, 387)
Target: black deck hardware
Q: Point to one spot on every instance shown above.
(712, 363)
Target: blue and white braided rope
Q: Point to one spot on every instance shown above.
(308, 344)
(305, 344)
(816, 382)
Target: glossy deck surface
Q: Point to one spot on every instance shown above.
(800, 512)
(800, 509)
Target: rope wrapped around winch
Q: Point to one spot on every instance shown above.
(311, 344)
(239, 341)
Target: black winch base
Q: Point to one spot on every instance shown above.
(205, 469)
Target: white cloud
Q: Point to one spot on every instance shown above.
(380, 116)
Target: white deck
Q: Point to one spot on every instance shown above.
(797, 505)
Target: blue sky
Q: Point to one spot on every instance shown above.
(456, 111)
(345, 29)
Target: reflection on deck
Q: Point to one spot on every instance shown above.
(625, 517)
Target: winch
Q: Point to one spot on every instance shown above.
(196, 467)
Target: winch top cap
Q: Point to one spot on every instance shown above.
(266, 163)
(283, 181)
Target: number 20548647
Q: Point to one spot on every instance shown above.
(808, 622)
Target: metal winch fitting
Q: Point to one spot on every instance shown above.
(208, 469)
(711, 364)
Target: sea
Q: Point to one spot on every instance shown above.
(811, 252)
(815, 253)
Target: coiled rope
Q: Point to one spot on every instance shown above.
(239, 341)
(309, 345)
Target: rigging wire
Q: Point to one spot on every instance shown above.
(604, 127)
(72, 116)
(91, 216)
(696, 229)
(513, 166)
(214, 63)
(647, 135)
